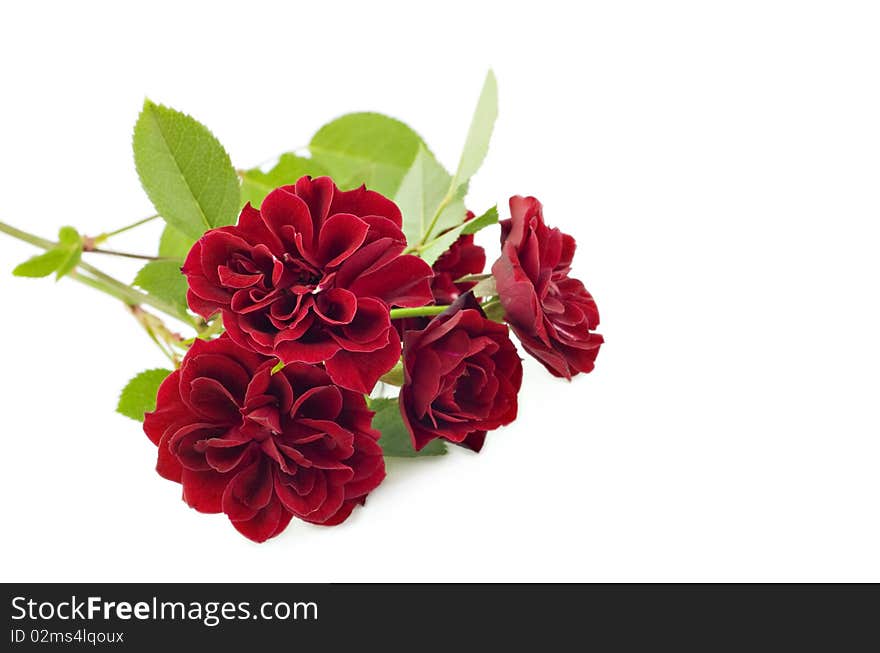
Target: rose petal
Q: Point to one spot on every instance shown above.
(318, 194)
(248, 491)
(265, 523)
(336, 306)
(363, 202)
(203, 490)
(323, 402)
(298, 504)
(329, 507)
(170, 410)
(339, 516)
(361, 371)
(340, 236)
(287, 215)
(403, 281)
(316, 350)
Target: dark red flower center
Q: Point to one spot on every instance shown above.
(261, 423)
(301, 273)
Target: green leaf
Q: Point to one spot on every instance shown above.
(174, 244)
(433, 250)
(61, 259)
(476, 278)
(41, 265)
(256, 184)
(454, 213)
(476, 144)
(69, 237)
(70, 242)
(420, 193)
(139, 395)
(494, 311)
(486, 287)
(184, 170)
(164, 280)
(395, 440)
(366, 148)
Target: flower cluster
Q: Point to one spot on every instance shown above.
(270, 420)
(314, 300)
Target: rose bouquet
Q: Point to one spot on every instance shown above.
(310, 289)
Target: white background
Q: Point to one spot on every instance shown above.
(718, 164)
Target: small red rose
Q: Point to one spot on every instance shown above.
(462, 258)
(310, 277)
(461, 377)
(552, 314)
(263, 447)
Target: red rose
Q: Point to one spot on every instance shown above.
(552, 314)
(263, 447)
(461, 377)
(310, 277)
(462, 258)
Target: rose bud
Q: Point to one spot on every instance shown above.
(263, 447)
(461, 259)
(311, 277)
(552, 314)
(461, 377)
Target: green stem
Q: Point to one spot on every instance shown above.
(423, 311)
(443, 204)
(164, 338)
(26, 237)
(135, 297)
(110, 234)
(450, 194)
(205, 331)
(420, 311)
(155, 338)
(103, 282)
(97, 285)
(113, 252)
